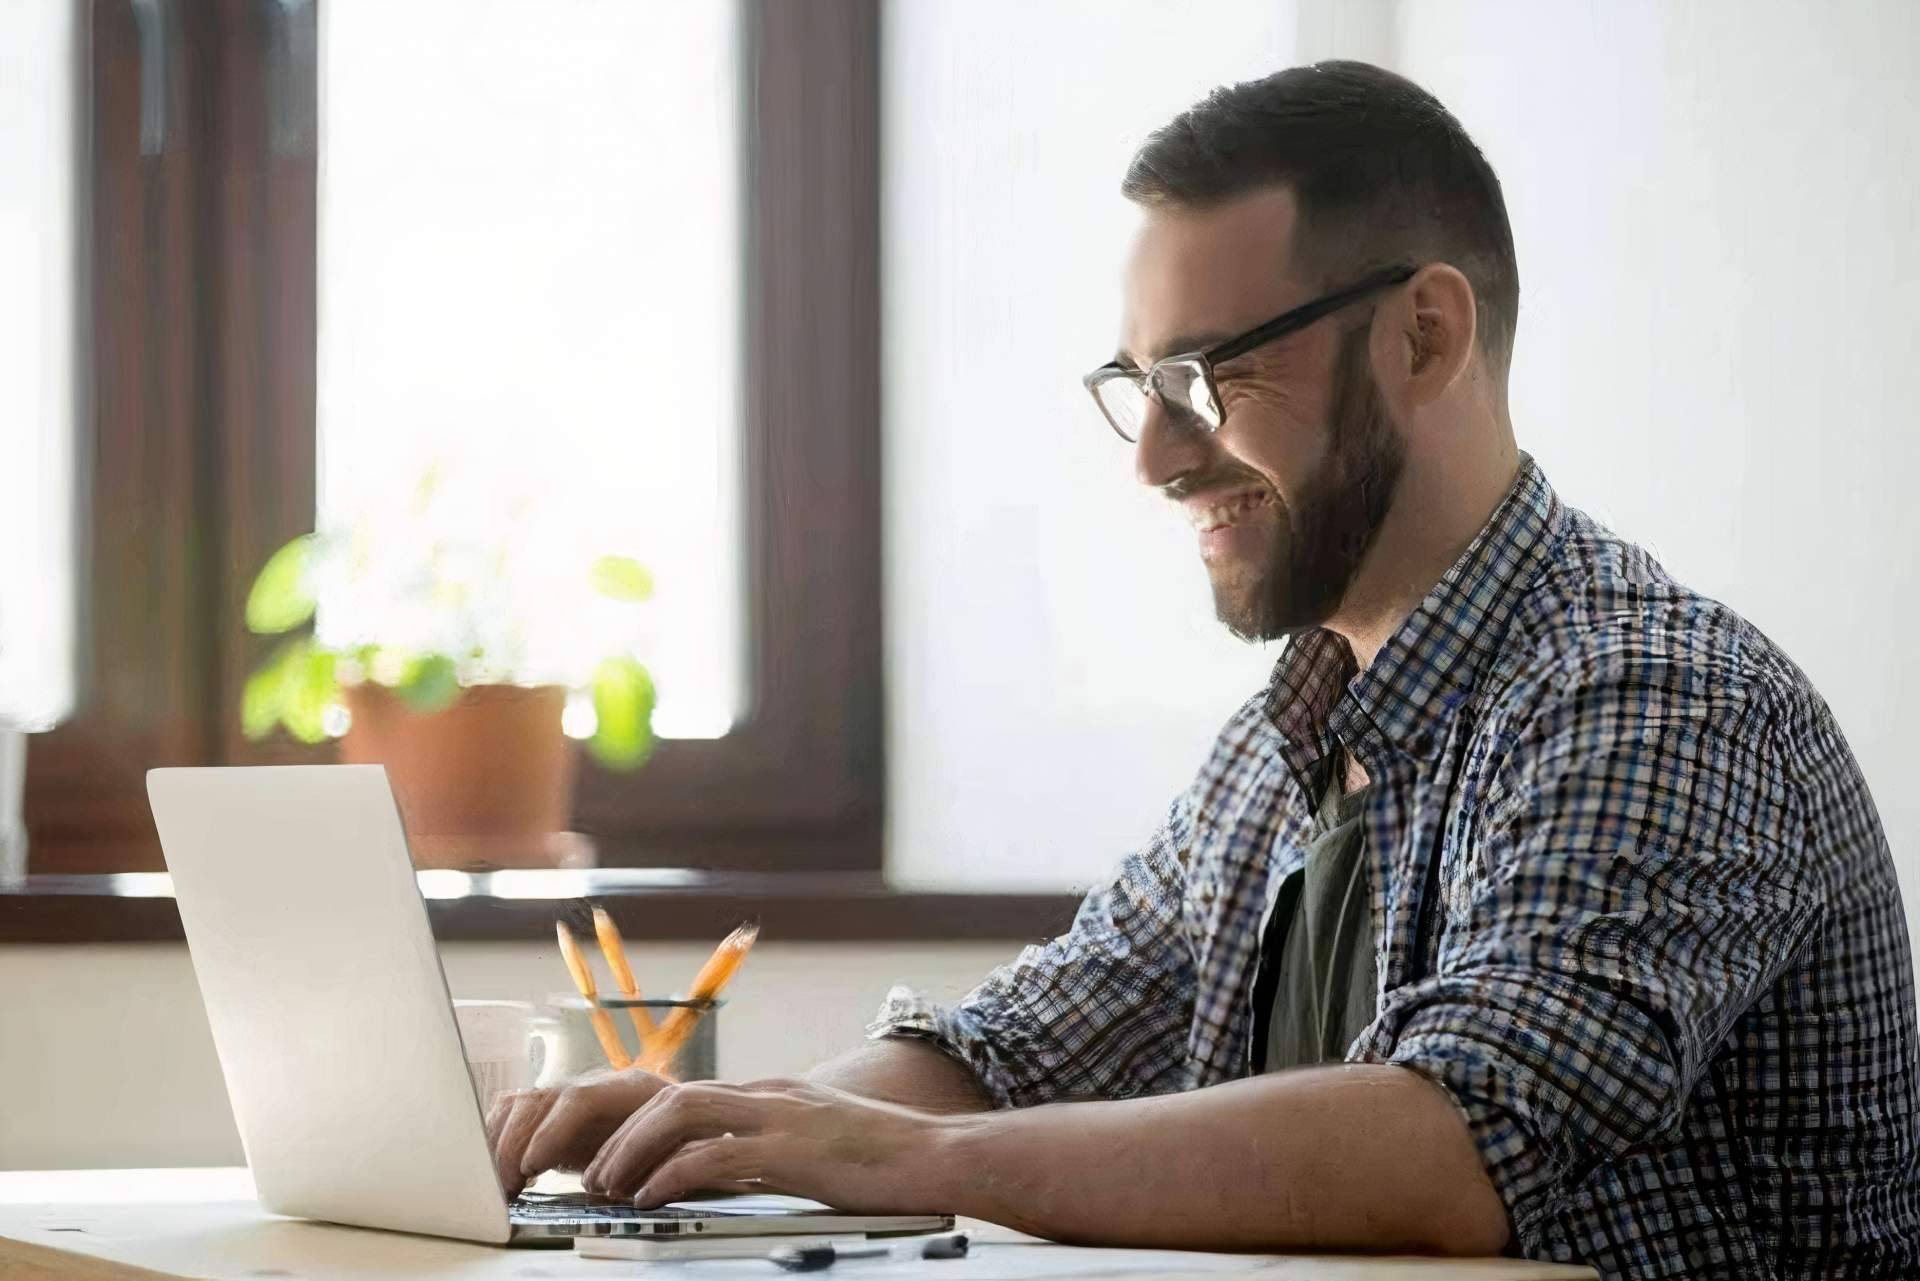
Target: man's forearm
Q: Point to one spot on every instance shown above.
(905, 1071)
(1360, 1157)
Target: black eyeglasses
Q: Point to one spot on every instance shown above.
(1184, 385)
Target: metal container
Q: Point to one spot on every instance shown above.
(574, 1048)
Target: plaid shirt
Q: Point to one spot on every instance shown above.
(1633, 907)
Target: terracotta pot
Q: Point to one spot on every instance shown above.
(486, 783)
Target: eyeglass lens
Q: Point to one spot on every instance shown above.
(1181, 387)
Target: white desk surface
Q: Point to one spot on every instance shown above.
(205, 1223)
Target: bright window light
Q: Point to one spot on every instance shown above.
(124, 1187)
(529, 306)
(39, 219)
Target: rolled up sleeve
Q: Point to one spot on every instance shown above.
(1641, 881)
(1101, 1011)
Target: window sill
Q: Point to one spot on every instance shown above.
(656, 904)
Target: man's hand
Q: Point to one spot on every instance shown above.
(561, 1127)
(796, 1137)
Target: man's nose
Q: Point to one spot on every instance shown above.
(1167, 448)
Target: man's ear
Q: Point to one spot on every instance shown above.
(1436, 331)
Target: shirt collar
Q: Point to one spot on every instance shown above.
(1428, 667)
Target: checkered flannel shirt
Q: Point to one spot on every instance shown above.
(1633, 907)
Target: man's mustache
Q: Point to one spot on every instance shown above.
(1183, 487)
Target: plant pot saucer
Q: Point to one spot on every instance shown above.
(491, 853)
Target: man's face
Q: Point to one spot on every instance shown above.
(1288, 494)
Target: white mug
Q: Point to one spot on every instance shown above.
(507, 1045)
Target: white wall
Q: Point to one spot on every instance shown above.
(106, 1059)
(1054, 673)
(1715, 208)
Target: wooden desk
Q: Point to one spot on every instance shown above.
(120, 1225)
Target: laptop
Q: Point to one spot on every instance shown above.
(336, 1033)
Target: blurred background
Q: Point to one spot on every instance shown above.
(710, 371)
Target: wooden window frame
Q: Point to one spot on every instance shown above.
(201, 454)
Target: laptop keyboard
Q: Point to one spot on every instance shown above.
(561, 1207)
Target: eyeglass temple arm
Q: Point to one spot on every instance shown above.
(1300, 317)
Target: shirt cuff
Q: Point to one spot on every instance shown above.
(1475, 1082)
(912, 1015)
(1550, 1085)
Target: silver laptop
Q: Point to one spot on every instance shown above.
(335, 1031)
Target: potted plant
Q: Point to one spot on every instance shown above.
(455, 656)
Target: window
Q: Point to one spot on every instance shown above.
(39, 223)
(529, 291)
(224, 419)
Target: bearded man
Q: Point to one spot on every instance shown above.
(1537, 904)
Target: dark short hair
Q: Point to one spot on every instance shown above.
(1379, 170)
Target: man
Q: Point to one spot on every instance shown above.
(1537, 904)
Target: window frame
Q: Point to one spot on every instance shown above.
(201, 453)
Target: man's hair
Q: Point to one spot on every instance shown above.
(1380, 172)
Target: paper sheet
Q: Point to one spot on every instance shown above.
(762, 1203)
(984, 1262)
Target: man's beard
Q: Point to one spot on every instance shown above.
(1327, 524)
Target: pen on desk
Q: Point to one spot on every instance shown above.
(812, 1258)
(616, 953)
(707, 985)
(583, 979)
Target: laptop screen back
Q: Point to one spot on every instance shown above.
(324, 991)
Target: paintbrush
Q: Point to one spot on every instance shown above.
(616, 953)
(583, 979)
(707, 985)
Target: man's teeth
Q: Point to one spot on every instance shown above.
(1216, 515)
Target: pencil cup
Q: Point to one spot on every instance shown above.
(576, 1048)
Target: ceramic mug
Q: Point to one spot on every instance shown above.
(508, 1046)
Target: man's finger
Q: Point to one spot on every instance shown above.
(591, 1177)
(580, 1122)
(497, 1115)
(674, 1114)
(702, 1165)
(670, 1119)
(509, 1156)
(590, 1172)
(560, 1131)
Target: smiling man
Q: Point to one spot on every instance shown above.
(1537, 904)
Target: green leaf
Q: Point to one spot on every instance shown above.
(623, 700)
(307, 687)
(282, 598)
(622, 578)
(260, 697)
(426, 487)
(429, 683)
